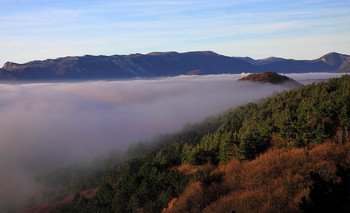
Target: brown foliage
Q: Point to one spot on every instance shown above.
(277, 142)
(342, 135)
(170, 205)
(187, 169)
(191, 199)
(274, 182)
(50, 207)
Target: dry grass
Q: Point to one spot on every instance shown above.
(274, 182)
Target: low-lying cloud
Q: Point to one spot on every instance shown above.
(47, 125)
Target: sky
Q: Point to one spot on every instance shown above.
(299, 29)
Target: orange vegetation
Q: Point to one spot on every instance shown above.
(49, 207)
(274, 182)
(187, 169)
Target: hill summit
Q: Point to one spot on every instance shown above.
(271, 77)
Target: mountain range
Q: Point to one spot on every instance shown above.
(161, 64)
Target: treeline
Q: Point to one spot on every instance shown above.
(300, 118)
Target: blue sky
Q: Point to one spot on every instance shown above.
(40, 29)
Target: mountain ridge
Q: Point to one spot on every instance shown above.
(163, 64)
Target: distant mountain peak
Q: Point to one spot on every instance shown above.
(335, 54)
(9, 66)
(271, 58)
(334, 59)
(263, 61)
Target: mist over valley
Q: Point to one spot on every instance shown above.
(49, 125)
(174, 106)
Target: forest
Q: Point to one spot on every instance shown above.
(289, 152)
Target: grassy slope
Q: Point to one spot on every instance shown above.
(274, 182)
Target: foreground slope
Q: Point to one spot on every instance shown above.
(276, 181)
(256, 158)
(163, 64)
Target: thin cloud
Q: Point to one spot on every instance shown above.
(47, 28)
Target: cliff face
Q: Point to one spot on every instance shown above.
(159, 64)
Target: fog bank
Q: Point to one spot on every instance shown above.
(47, 125)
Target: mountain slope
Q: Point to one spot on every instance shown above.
(160, 64)
(338, 61)
(253, 158)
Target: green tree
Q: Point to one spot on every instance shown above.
(79, 203)
(104, 197)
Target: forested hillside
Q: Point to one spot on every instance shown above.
(255, 158)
